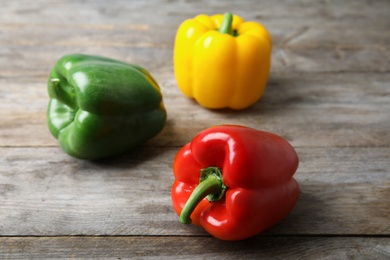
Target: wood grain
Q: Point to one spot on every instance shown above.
(328, 94)
(137, 34)
(198, 248)
(45, 192)
(307, 109)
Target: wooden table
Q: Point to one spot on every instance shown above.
(328, 95)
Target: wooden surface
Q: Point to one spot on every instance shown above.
(328, 95)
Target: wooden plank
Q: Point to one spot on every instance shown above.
(197, 247)
(44, 192)
(306, 109)
(153, 49)
(309, 36)
(174, 11)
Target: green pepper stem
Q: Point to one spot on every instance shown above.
(210, 186)
(63, 95)
(226, 27)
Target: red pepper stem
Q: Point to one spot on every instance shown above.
(226, 26)
(210, 186)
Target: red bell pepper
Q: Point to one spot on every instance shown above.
(235, 181)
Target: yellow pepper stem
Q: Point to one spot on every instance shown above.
(226, 27)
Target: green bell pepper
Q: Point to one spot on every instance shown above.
(101, 107)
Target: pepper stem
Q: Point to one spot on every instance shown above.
(64, 95)
(211, 187)
(226, 26)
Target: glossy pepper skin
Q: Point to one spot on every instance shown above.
(247, 176)
(222, 61)
(101, 107)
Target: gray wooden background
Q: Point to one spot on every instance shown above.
(328, 95)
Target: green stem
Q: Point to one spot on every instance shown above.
(64, 95)
(210, 186)
(227, 24)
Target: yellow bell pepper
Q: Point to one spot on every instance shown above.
(222, 61)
